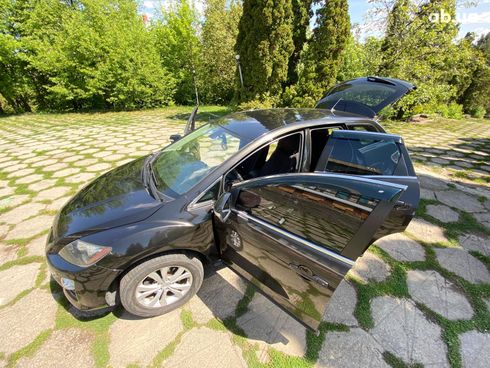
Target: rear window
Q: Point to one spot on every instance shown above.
(363, 156)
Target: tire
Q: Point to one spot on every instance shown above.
(148, 289)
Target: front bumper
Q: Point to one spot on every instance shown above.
(92, 284)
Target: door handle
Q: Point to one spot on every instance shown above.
(402, 206)
(307, 273)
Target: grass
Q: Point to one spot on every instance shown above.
(395, 285)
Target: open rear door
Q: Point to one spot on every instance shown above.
(295, 236)
(365, 96)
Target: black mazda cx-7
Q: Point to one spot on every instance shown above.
(288, 198)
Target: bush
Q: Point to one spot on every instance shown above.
(478, 112)
(451, 111)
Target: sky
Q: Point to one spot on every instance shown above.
(473, 15)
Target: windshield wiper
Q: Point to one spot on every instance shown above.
(149, 179)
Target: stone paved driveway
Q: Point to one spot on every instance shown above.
(420, 298)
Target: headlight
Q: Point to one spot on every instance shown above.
(83, 254)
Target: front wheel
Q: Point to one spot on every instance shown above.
(161, 284)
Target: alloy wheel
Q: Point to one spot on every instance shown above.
(163, 287)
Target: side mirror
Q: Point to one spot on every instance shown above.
(175, 137)
(222, 207)
(248, 199)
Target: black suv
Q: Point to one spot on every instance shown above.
(288, 198)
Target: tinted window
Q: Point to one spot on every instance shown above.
(363, 156)
(326, 216)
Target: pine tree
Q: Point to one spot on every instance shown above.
(301, 20)
(218, 64)
(323, 57)
(264, 43)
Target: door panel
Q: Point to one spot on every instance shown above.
(380, 157)
(304, 235)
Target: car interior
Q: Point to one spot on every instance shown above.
(279, 157)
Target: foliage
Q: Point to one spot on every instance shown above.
(179, 46)
(264, 43)
(323, 56)
(218, 64)
(301, 20)
(476, 98)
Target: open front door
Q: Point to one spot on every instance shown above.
(295, 236)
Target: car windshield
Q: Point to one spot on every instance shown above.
(183, 164)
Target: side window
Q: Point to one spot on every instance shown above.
(363, 156)
(279, 157)
(326, 216)
(362, 128)
(211, 194)
(319, 139)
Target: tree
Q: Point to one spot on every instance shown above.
(476, 98)
(179, 46)
(422, 50)
(323, 57)
(218, 64)
(265, 44)
(301, 20)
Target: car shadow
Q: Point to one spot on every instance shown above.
(219, 297)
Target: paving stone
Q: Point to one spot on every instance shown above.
(341, 306)
(22, 322)
(43, 184)
(355, 348)
(439, 294)
(147, 337)
(14, 168)
(13, 201)
(5, 191)
(21, 213)
(64, 348)
(52, 193)
(21, 173)
(102, 154)
(265, 323)
(442, 213)
(7, 253)
(206, 348)
(36, 247)
(66, 172)
(429, 182)
(114, 157)
(402, 329)
(474, 349)
(402, 248)
(47, 162)
(55, 167)
(80, 178)
(463, 264)
(74, 158)
(218, 296)
(29, 179)
(426, 231)
(459, 200)
(17, 279)
(85, 162)
(57, 204)
(4, 230)
(99, 167)
(30, 227)
(475, 243)
(370, 267)
(427, 194)
(483, 218)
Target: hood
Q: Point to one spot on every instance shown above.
(117, 198)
